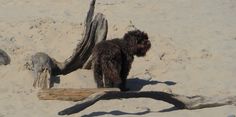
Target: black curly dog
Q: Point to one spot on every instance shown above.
(112, 59)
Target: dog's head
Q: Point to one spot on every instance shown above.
(138, 41)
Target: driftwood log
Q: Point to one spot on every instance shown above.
(88, 97)
(45, 67)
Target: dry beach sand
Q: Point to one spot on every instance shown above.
(193, 53)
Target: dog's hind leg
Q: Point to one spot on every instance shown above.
(111, 74)
(98, 75)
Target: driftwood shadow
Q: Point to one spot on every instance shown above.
(169, 109)
(116, 113)
(136, 84)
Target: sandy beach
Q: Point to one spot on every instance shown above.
(193, 53)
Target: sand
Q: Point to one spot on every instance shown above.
(193, 53)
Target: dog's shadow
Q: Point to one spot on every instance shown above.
(136, 84)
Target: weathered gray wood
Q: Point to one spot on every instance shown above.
(46, 67)
(4, 58)
(199, 102)
(43, 66)
(97, 33)
(101, 34)
(90, 13)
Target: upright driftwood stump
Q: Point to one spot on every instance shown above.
(45, 67)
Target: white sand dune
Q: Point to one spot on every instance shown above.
(193, 45)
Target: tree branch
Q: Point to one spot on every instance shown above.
(97, 33)
(89, 97)
(46, 67)
(70, 94)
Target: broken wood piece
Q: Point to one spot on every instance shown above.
(179, 101)
(42, 66)
(83, 104)
(95, 31)
(100, 35)
(88, 97)
(70, 94)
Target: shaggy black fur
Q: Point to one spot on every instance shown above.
(112, 59)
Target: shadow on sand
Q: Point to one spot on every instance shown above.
(134, 84)
(116, 113)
